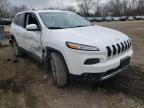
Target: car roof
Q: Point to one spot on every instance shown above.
(39, 11)
(51, 11)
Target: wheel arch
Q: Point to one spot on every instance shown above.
(49, 50)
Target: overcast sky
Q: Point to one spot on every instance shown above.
(39, 4)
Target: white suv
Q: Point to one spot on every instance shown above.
(73, 46)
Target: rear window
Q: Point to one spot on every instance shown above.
(21, 19)
(16, 19)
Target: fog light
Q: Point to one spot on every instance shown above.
(92, 61)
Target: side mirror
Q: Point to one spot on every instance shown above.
(32, 27)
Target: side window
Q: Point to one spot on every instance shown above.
(16, 19)
(21, 20)
(32, 20)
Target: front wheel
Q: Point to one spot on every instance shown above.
(59, 70)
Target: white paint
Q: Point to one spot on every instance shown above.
(96, 36)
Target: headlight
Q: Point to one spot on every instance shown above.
(81, 47)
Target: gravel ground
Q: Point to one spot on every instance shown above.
(23, 83)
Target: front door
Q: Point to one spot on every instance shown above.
(33, 38)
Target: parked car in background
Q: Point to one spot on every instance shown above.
(123, 18)
(89, 18)
(3, 36)
(93, 18)
(138, 17)
(130, 18)
(116, 18)
(4, 21)
(99, 19)
(142, 17)
(108, 18)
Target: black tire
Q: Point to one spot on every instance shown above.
(16, 49)
(59, 70)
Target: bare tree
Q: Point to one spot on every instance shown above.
(85, 6)
(4, 4)
(112, 7)
(96, 4)
(140, 7)
(107, 9)
(116, 7)
(71, 8)
(124, 5)
(97, 7)
(15, 9)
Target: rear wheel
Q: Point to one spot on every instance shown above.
(59, 70)
(16, 49)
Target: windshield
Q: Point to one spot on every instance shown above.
(61, 20)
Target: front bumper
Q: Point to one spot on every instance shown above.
(98, 76)
(75, 62)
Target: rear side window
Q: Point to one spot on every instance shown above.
(16, 19)
(21, 19)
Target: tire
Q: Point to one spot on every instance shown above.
(16, 49)
(59, 70)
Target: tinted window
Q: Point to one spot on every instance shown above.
(16, 19)
(21, 20)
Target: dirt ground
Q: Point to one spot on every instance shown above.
(23, 82)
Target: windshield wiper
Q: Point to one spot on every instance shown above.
(55, 28)
(78, 26)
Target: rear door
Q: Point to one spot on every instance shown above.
(18, 29)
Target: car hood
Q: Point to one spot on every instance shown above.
(92, 35)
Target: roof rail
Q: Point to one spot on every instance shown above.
(33, 9)
(27, 10)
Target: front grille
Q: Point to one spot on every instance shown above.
(118, 48)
